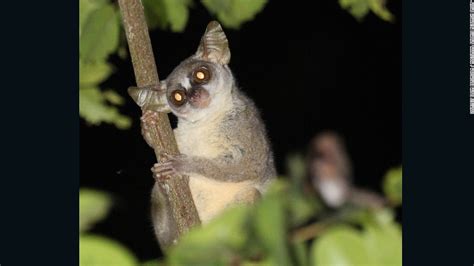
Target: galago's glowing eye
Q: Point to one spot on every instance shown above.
(178, 97)
(201, 75)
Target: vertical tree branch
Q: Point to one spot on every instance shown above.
(175, 188)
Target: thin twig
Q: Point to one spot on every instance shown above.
(308, 232)
(177, 189)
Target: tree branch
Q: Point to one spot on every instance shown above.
(175, 188)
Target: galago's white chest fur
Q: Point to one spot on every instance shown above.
(210, 196)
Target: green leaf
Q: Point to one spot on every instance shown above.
(383, 216)
(122, 52)
(98, 251)
(302, 207)
(94, 109)
(296, 167)
(270, 223)
(85, 8)
(232, 13)
(214, 243)
(155, 13)
(91, 74)
(93, 207)
(113, 97)
(379, 8)
(264, 262)
(379, 243)
(360, 8)
(171, 14)
(340, 245)
(300, 252)
(366, 216)
(384, 244)
(154, 262)
(100, 34)
(392, 185)
(177, 13)
(357, 8)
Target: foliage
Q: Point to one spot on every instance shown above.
(232, 13)
(93, 249)
(392, 185)
(360, 8)
(92, 106)
(172, 14)
(100, 34)
(376, 244)
(267, 237)
(97, 250)
(275, 231)
(288, 226)
(100, 37)
(93, 207)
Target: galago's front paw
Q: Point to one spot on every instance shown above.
(148, 121)
(169, 166)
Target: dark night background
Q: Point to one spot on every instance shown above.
(309, 66)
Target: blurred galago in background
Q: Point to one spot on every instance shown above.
(330, 172)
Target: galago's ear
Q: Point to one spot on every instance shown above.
(151, 98)
(214, 46)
